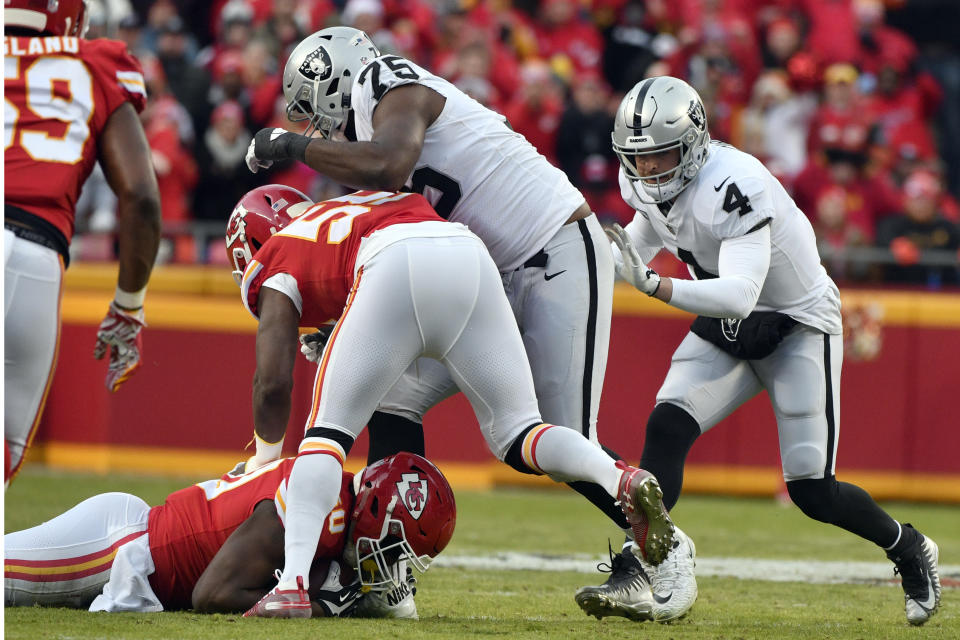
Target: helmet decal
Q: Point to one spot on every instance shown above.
(317, 65)
(413, 491)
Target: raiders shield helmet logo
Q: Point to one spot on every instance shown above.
(696, 114)
(413, 492)
(317, 65)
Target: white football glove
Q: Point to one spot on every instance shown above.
(119, 334)
(252, 163)
(312, 344)
(632, 269)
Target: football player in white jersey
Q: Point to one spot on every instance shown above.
(768, 318)
(387, 124)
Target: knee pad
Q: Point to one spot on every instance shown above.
(514, 456)
(815, 497)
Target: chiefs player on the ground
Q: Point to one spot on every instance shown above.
(68, 102)
(214, 545)
(401, 284)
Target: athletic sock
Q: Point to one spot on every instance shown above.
(565, 455)
(312, 492)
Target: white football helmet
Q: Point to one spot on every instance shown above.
(319, 75)
(659, 114)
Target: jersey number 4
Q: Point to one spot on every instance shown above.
(58, 90)
(734, 200)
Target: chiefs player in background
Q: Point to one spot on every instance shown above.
(68, 103)
(214, 545)
(400, 283)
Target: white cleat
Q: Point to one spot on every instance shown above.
(920, 578)
(626, 592)
(672, 582)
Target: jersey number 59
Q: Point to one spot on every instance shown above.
(58, 89)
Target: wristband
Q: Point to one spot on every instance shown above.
(268, 450)
(129, 301)
(297, 146)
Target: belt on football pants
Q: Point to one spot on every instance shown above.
(34, 229)
(539, 259)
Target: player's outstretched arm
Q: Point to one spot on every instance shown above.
(242, 571)
(126, 162)
(400, 123)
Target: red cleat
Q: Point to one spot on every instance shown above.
(283, 603)
(641, 501)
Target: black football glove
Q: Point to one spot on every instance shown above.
(272, 144)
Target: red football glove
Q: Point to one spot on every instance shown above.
(120, 331)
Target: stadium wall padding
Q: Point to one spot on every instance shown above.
(189, 408)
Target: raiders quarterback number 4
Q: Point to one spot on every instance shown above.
(734, 200)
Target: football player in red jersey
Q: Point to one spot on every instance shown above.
(214, 546)
(400, 283)
(69, 102)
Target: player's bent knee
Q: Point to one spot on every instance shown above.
(815, 497)
(803, 461)
(514, 456)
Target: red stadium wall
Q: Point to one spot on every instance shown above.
(189, 407)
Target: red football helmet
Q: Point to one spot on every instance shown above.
(260, 214)
(404, 511)
(53, 17)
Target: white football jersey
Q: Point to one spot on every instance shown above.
(730, 196)
(473, 168)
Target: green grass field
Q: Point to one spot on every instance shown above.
(472, 603)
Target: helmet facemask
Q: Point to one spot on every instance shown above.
(664, 185)
(378, 560)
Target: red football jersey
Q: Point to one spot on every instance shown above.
(319, 249)
(59, 92)
(190, 527)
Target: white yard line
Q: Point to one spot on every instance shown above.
(744, 568)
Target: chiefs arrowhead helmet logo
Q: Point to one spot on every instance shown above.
(413, 492)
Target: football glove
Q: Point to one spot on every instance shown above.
(632, 269)
(120, 334)
(312, 344)
(272, 144)
(335, 599)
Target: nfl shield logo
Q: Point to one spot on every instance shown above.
(413, 492)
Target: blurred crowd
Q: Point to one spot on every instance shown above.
(858, 118)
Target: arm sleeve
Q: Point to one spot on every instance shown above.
(743, 266)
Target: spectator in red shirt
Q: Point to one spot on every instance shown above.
(563, 31)
(841, 119)
(537, 107)
(922, 228)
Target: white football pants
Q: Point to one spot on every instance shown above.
(96, 556)
(563, 311)
(439, 298)
(802, 378)
(32, 279)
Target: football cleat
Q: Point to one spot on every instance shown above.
(641, 501)
(625, 593)
(672, 582)
(283, 603)
(917, 567)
